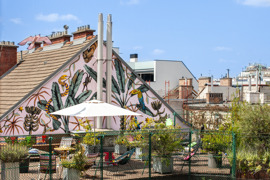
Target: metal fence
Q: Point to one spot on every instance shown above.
(148, 154)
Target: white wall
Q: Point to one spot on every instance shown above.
(170, 71)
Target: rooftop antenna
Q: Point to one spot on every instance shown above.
(228, 71)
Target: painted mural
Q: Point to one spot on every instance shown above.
(75, 84)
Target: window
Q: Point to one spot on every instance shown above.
(147, 77)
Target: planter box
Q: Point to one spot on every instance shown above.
(120, 149)
(24, 165)
(140, 152)
(10, 171)
(214, 160)
(163, 164)
(71, 174)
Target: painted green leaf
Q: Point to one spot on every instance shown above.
(131, 80)
(147, 99)
(93, 74)
(65, 70)
(75, 83)
(94, 96)
(120, 74)
(42, 105)
(73, 67)
(83, 96)
(146, 111)
(115, 87)
(56, 97)
(16, 114)
(70, 101)
(56, 124)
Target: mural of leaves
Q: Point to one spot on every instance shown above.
(93, 74)
(120, 73)
(131, 80)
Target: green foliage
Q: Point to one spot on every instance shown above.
(122, 140)
(164, 141)
(13, 153)
(252, 126)
(91, 139)
(28, 142)
(249, 160)
(78, 160)
(216, 141)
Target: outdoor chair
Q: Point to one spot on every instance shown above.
(44, 162)
(121, 160)
(186, 156)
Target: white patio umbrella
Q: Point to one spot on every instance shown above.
(95, 108)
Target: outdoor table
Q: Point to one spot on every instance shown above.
(64, 151)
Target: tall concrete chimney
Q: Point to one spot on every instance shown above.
(257, 79)
(211, 84)
(109, 66)
(100, 63)
(249, 83)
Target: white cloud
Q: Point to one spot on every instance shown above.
(137, 47)
(53, 17)
(257, 3)
(16, 20)
(222, 48)
(129, 2)
(158, 51)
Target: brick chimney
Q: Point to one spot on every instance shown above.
(203, 81)
(185, 88)
(8, 56)
(226, 82)
(59, 37)
(83, 31)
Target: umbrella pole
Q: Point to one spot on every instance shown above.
(95, 131)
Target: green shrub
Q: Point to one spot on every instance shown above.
(13, 153)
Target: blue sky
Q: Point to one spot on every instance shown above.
(209, 36)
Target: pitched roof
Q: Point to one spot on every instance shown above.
(36, 68)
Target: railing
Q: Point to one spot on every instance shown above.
(148, 154)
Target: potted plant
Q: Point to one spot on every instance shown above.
(215, 143)
(75, 164)
(164, 142)
(24, 163)
(121, 144)
(92, 143)
(90, 140)
(11, 155)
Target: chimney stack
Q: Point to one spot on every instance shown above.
(203, 81)
(59, 37)
(8, 56)
(83, 32)
(133, 57)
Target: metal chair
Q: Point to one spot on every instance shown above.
(122, 160)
